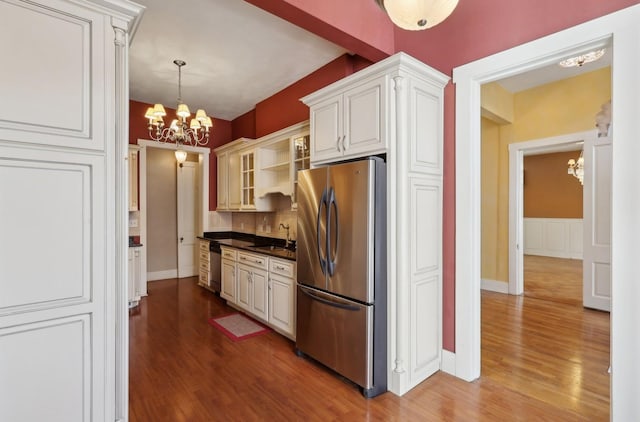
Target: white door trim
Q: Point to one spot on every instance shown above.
(622, 28)
(203, 206)
(517, 151)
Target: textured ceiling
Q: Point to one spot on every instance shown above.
(237, 55)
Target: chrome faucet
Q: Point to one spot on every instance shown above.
(286, 227)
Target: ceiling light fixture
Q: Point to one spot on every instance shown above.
(415, 15)
(576, 168)
(194, 133)
(580, 60)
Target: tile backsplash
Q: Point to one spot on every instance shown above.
(267, 223)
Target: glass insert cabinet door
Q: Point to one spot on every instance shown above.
(247, 176)
(301, 160)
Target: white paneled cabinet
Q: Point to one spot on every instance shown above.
(282, 300)
(395, 107)
(223, 181)
(134, 280)
(229, 176)
(253, 280)
(250, 171)
(261, 286)
(133, 177)
(64, 181)
(228, 288)
(350, 123)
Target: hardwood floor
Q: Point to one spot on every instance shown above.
(554, 279)
(540, 361)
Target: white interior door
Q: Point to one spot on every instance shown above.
(597, 224)
(187, 218)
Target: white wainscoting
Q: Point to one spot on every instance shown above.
(555, 237)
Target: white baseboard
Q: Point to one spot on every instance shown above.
(162, 275)
(495, 286)
(448, 362)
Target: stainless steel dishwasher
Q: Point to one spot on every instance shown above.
(216, 268)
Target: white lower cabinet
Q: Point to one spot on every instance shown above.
(253, 283)
(253, 290)
(228, 288)
(262, 286)
(134, 278)
(282, 296)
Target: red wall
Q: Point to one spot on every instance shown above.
(358, 26)
(476, 28)
(244, 126)
(285, 108)
(220, 135)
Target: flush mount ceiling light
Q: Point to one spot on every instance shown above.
(415, 15)
(180, 131)
(580, 60)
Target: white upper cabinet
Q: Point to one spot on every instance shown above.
(250, 171)
(223, 181)
(228, 180)
(350, 124)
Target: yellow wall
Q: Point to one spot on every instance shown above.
(497, 103)
(554, 109)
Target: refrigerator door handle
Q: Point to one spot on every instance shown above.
(323, 259)
(329, 302)
(332, 254)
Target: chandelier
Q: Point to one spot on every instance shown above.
(576, 169)
(415, 15)
(194, 132)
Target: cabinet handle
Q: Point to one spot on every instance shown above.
(344, 144)
(338, 144)
(281, 268)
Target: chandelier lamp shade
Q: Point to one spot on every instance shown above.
(576, 168)
(415, 15)
(181, 131)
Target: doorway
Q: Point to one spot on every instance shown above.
(201, 196)
(566, 236)
(621, 26)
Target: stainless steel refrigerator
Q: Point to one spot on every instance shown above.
(341, 261)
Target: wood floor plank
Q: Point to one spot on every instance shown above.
(540, 361)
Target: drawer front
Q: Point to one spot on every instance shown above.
(204, 245)
(204, 256)
(283, 268)
(204, 277)
(231, 254)
(204, 265)
(258, 261)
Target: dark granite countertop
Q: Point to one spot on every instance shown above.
(257, 244)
